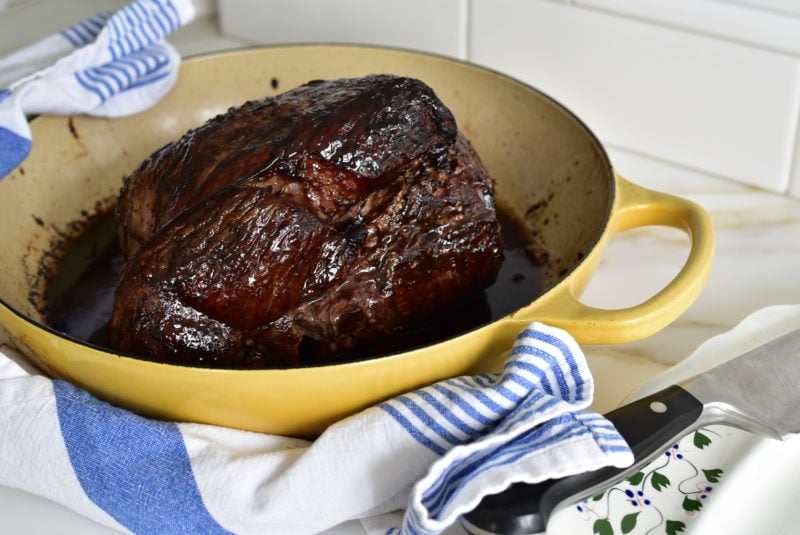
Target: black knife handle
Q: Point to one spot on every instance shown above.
(647, 425)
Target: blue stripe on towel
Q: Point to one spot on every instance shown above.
(141, 68)
(534, 379)
(85, 31)
(119, 68)
(455, 477)
(141, 24)
(449, 415)
(411, 429)
(428, 419)
(146, 26)
(558, 430)
(469, 387)
(466, 407)
(136, 470)
(476, 462)
(569, 358)
(97, 83)
(13, 147)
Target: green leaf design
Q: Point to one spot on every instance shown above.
(636, 478)
(691, 505)
(701, 440)
(713, 475)
(629, 522)
(598, 497)
(602, 527)
(674, 526)
(659, 481)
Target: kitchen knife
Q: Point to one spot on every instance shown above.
(758, 392)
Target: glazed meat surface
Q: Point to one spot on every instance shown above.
(294, 228)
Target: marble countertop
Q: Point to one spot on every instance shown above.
(757, 264)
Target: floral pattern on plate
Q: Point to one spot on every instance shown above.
(679, 491)
(685, 475)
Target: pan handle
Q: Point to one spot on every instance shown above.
(636, 206)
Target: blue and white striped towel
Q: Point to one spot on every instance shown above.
(430, 454)
(108, 65)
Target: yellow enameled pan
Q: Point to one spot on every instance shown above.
(541, 155)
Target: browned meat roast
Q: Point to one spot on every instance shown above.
(329, 215)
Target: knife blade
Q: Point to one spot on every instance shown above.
(758, 391)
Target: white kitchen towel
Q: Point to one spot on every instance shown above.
(433, 452)
(108, 65)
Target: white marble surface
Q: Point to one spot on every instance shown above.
(757, 264)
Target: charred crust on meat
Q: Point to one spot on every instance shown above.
(296, 227)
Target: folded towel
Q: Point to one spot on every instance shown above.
(432, 453)
(108, 65)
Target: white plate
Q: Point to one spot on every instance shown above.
(718, 480)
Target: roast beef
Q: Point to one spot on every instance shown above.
(294, 228)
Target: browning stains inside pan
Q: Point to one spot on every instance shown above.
(80, 293)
